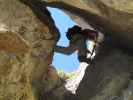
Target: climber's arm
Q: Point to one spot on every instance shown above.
(65, 50)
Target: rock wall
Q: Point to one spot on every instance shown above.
(109, 77)
(25, 53)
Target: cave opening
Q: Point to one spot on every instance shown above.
(68, 66)
(62, 62)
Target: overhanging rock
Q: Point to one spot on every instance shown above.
(113, 16)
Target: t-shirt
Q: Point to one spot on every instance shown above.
(79, 42)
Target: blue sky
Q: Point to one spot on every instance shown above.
(61, 61)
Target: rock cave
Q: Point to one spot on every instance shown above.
(28, 36)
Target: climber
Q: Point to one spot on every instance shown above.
(78, 38)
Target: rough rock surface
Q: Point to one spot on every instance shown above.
(25, 53)
(109, 77)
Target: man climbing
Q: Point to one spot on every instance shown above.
(78, 39)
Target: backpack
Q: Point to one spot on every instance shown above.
(90, 34)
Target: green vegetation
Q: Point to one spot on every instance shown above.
(65, 75)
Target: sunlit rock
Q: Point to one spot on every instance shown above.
(13, 43)
(73, 83)
(25, 53)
